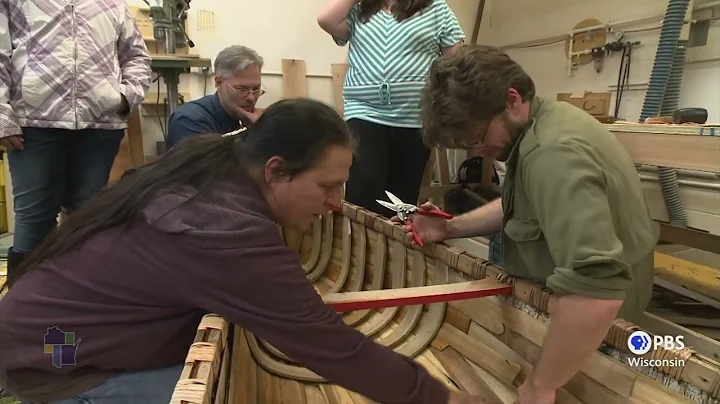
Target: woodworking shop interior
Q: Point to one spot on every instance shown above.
(598, 56)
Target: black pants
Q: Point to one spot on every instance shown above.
(387, 158)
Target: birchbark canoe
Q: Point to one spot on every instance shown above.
(485, 345)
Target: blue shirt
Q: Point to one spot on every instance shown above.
(199, 117)
(388, 62)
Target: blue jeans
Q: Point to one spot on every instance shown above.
(58, 168)
(495, 253)
(142, 387)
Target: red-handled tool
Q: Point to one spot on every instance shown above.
(404, 210)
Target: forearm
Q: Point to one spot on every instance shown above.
(335, 12)
(452, 49)
(482, 221)
(577, 328)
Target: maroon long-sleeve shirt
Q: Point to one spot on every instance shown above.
(134, 297)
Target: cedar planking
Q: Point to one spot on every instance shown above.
(486, 345)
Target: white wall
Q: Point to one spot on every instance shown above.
(276, 29)
(509, 22)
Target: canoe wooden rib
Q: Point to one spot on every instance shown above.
(486, 345)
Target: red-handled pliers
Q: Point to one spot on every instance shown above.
(404, 210)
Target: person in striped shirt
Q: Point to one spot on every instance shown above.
(392, 45)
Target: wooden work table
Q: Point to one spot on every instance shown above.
(179, 61)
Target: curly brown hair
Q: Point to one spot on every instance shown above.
(465, 90)
(402, 9)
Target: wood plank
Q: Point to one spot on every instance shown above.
(294, 78)
(378, 299)
(690, 237)
(500, 367)
(686, 151)
(685, 320)
(701, 344)
(478, 22)
(464, 376)
(713, 333)
(338, 72)
(682, 290)
(130, 154)
(698, 278)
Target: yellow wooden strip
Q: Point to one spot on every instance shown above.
(699, 278)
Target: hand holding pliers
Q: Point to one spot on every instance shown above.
(404, 210)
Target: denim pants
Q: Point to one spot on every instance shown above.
(495, 254)
(141, 387)
(58, 168)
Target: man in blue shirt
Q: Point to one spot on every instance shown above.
(238, 83)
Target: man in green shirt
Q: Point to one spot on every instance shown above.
(572, 213)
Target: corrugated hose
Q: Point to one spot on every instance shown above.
(663, 96)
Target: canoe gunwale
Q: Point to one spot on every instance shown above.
(203, 362)
(700, 372)
(539, 298)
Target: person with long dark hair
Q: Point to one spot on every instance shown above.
(392, 44)
(130, 274)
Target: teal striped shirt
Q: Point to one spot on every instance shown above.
(388, 62)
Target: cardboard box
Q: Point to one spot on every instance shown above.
(595, 104)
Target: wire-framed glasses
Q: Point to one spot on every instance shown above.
(245, 91)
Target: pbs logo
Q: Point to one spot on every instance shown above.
(641, 342)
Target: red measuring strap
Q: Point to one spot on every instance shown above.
(378, 299)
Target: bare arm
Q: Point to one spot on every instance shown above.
(482, 221)
(333, 18)
(262, 287)
(134, 63)
(590, 274)
(9, 125)
(449, 50)
(578, 327)
(451, 34)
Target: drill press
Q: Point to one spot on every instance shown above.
(168, 17)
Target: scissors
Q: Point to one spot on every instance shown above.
(404, 210)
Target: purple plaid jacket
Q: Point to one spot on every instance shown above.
(65, 63)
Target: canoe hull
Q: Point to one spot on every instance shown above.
(485, 345)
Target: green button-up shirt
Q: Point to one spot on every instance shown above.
(575, 216)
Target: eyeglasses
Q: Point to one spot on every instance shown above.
(479, 139)
(244, 91)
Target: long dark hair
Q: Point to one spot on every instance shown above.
(402, 9)
(298, 130)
